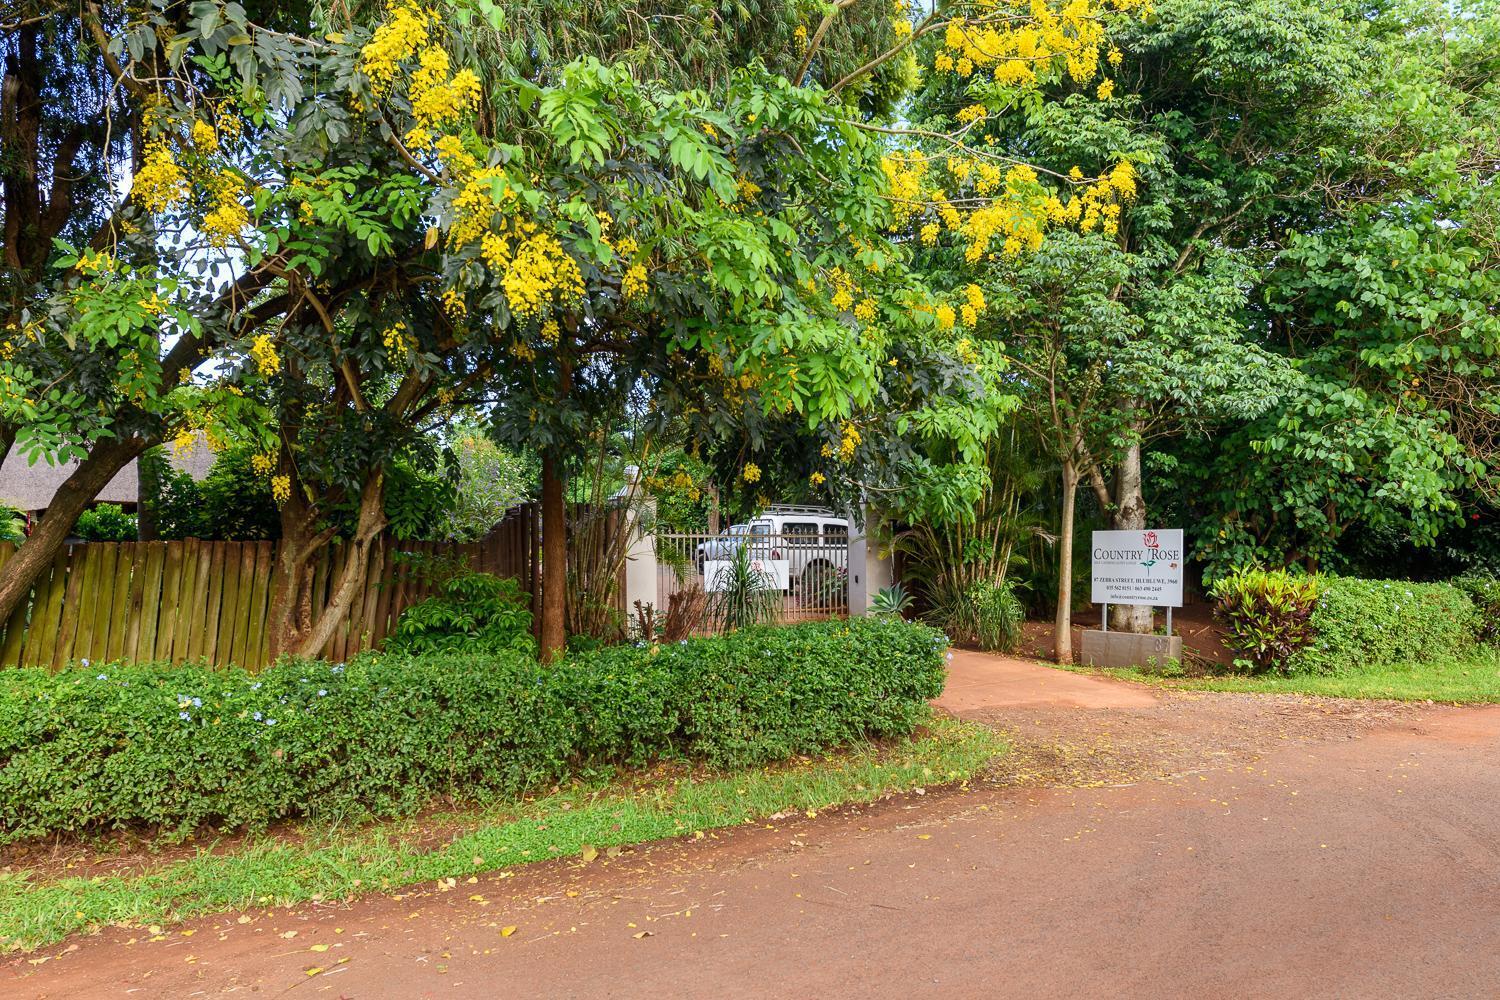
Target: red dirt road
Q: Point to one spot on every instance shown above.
(1277, 847)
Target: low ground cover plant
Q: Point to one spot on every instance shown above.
(181, 748)
(1300, 624)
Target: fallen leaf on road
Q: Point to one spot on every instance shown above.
(589, 853)
(314, 970)
(507, 931)
(289, 935)
(642, 934)
(318, 947)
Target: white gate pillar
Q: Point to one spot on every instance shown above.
(870, 569)
(640, 557)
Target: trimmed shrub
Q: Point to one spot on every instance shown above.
(1360, 623)
(1266, 614)
(1484, 591)
(187, 747)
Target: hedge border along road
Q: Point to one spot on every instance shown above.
(181, 749)
(580, 821)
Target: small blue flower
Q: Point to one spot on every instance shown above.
(197, 702)
(337, 668)
(84, 661)
(104, 677)
(255, 686)
(184, 715)
(270, 722)
(322, 693)
(256, 716)
(950, 657)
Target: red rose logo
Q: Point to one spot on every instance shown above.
(1149, 539)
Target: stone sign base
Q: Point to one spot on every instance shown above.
(1126, 649)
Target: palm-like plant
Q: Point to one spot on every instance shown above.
(743, 594)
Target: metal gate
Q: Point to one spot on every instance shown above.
(801, 573)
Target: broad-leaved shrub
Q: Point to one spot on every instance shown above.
(1266, 614)
(187, 747)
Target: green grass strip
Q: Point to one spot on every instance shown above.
(1471, 680)
(333, 864)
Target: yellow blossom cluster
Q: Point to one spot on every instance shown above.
(849, 440)
(679, 481)
(398, 340)
(263, 351)
(406, 29)
(1098, 207)
(903, 175)
(263, 463)
(1015, 209)
(817, 479)
(438, 96)
(973, 304)
(634, 285)
(454, 304)
(281, 489)
(161, 182)
(901, 18)
(205, 139)
(228, 217)
(843, 288)
(751, 473)
(540, 272)
(1013, 50)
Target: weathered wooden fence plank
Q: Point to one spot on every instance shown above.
(190, 600)
(119, 602)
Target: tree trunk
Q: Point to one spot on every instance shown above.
(356, 568)
(295, 625)
(147, 489)
(106, 459)
(1130, 515)
(554, 636)
(1062, 629)
(290, 614)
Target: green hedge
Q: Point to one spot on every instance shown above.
(1364, 623)
(187, 747)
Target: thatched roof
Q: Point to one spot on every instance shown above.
(31, 487)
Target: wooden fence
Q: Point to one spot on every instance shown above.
(192, 600)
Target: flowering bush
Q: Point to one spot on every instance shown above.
(1362, 623)
(187, 747)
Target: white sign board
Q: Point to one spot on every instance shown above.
(774, 573)
(1138, 567)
